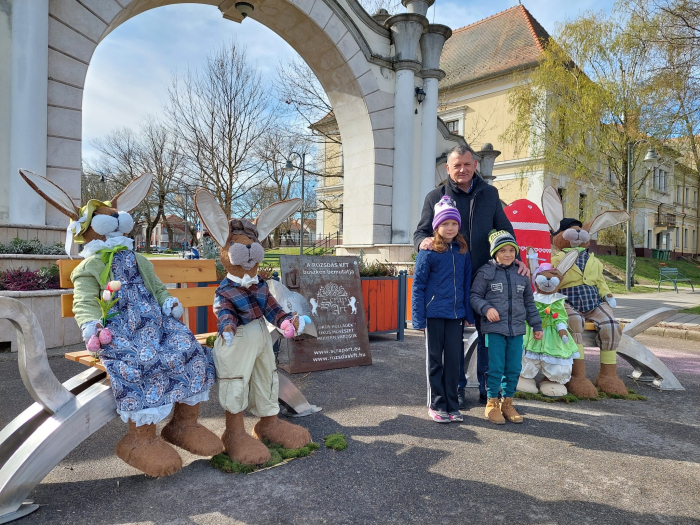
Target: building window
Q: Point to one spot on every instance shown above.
(678, 236)
(685, 239)
(678, 194)
(340, 220)
(582, 206)
(660, 180)
(687, 197)
(611, 175)
(649, 239)
(695, 198)
(694, 242)
(453, 126)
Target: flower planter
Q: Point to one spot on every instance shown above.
(384, 300)
(11, 261)
(46, 306)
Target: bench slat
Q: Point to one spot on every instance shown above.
(84, 358)
(167, 270)
(189, 297)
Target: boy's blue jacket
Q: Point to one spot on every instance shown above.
(441, 284)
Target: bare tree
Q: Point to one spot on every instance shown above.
(218, 115)
(126, 154)
(277, 184)
(372, 6)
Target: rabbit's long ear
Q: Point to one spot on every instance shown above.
(274, 215)
(54, 195)
(568, 261)
(605, 220)
(552, 207)
(134, 193)
(532, 261)
(212, 216)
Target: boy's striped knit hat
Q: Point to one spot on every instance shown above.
(446, 209)
(499, 239)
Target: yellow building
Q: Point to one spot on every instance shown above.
(482, 62)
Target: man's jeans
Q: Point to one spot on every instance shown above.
(482, 362)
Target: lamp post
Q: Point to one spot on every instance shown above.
(488, 158)
(289, 167)
(649, 160)
(183, 200)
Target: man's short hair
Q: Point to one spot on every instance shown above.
(460, 150)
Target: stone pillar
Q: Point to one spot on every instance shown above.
(431, 44)
(5, 106)
(29, 93)
(406, 30)
(419, 7)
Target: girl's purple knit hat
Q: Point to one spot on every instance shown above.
(446, 209)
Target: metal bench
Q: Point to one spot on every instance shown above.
(647, 367)
(65, 414)
(272, 259)
(674, 276)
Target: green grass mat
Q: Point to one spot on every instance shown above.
(570, 398)
(336, 442)
(278, 454)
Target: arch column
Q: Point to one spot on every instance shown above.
(431, 44)
(406, 30)
(28, 117)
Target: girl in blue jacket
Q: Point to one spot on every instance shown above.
(440, 305)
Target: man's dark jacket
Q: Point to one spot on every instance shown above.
(481, 211)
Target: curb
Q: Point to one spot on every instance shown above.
(673, 333)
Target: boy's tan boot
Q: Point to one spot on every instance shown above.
(509, 412)
(493, 412)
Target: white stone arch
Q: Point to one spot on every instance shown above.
(332, 36)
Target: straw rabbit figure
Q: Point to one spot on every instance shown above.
(153, 360)
(588, 295)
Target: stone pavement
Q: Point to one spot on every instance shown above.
(606, 462)
(631, 306)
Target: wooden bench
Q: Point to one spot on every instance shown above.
(674, 276)
(183, 272)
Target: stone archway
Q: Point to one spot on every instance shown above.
(321, 31)
(369, 72)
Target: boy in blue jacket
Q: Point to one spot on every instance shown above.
(440, 305)
(505, 302)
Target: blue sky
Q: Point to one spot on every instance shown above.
(132, 67)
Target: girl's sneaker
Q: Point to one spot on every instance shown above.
(439, 416)
(456, 416)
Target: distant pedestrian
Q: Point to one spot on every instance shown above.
(504, 300)
(440, 305)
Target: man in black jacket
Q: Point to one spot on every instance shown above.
(480, 208)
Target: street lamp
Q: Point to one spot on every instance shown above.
(289, 167)
(183, 200)
(488, 158)
(649, 160)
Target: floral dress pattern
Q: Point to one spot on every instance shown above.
(153, 360)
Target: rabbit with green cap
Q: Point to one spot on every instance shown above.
(154, 362)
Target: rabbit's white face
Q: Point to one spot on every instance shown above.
(576, 237)
(113, 225)
(245, 255)
(546, 284)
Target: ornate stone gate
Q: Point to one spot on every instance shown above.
(369, 66)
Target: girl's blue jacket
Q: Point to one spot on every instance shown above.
(441, 285)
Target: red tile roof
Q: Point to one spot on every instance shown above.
(506, 41)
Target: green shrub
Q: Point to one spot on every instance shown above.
(34, 247)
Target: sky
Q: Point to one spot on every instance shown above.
(132, 67)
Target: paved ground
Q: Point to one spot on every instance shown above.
(610, 461)
(631, 306)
